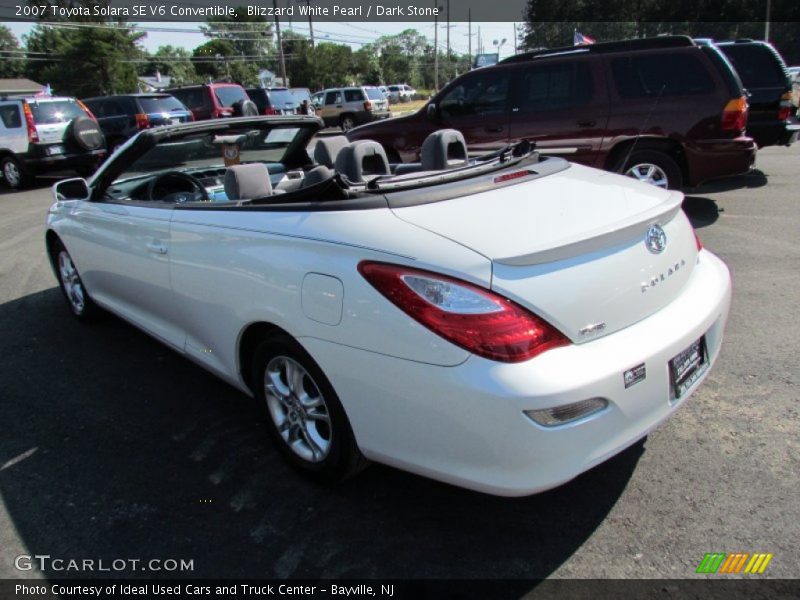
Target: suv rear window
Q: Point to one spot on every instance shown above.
(229, 95)
(756, 65)
(374, 94)
(663, 74)
(161, 104)
(57, 111)
(281, 98)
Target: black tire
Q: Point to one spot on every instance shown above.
(347, 122)
(245, 108)
(666, 173)
(86, 133)
(302, 423)
(80, 303)
(14, 173)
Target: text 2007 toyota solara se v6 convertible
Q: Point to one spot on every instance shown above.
(502, 323)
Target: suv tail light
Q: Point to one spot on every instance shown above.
(33, 135)
(367, 105)
(734, 115)
(218, 113)
(142, 121)
(270, 111)
(785, 109)
(469, 316)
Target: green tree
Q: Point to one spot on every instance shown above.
(12, 61)
(173, 62)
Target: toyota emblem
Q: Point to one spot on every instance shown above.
(655, 239)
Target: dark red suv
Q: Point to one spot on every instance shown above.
(215, 100)
(664, 110)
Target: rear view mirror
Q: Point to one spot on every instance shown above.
(71, 189)
(433, 112)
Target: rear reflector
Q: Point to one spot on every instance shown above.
(697, 241)
(466, 315)
(510, 176)
(561, 415)
(734, 115)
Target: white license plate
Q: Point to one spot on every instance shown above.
(688, 366)
(51, 150)
(174, 121)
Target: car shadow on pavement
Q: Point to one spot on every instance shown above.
(701, 211)
(751, 179)
(115, 447)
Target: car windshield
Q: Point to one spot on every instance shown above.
(301, 94)
(282, 98)
(58, 111)
(374, 94)
(230, 95)
(160, 104)
(202, 150)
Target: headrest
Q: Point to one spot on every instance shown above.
(444, 149)
(245, 182)
(361, 160)
(317, 175)
(328, 148)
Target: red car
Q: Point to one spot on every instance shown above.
(664, 110)
(215, 100)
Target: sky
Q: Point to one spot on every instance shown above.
(355, 34)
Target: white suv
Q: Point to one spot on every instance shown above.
(45, 133)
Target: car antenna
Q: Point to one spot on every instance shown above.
(644, 124)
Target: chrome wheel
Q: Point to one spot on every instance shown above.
(298, 409)
(649, 173)
(11, 173)
(73, 286)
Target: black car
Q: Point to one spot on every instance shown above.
(123, 116)
(274, 101)
(765, 77)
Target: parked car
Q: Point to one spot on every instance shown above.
(215, 100)
(39, 134)
(763, 73)
(304, 94)
(274, 101)
(351, 106)
(429, 321)
(122, 116)
(664, 110)
(401, 93)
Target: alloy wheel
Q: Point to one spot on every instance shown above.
(649, 173)
(298, 409)
(11, 173)
(73, 286)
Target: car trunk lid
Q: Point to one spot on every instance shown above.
(571, 246)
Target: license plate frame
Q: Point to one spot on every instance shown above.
(686, 367)
(55, 150)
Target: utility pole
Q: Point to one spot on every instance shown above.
(310, 24)
(448, 32)
(280, 42)
(766, 24)
(436, 50)
(469, 36)
(515, 38)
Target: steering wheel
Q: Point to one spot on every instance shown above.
(175, 184)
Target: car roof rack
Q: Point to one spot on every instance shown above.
(665, 41)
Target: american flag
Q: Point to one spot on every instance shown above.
(578, 39)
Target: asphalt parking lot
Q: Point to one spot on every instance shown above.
(112, 446)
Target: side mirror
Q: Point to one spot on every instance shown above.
(72, 189)
(433, 112)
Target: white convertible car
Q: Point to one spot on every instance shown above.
(502, 324)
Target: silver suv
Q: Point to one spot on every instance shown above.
(46, 133)
(351, 106)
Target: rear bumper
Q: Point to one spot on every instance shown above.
(465, 425)
(36, 163)
(774, 133)
(712, 159)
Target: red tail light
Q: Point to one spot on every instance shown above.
(270, 111)
(697, 241)
(785, 109)
(367, 105)
(33, 135)
(469, 316)
(86, 110)
(734, 115)
(142, 121)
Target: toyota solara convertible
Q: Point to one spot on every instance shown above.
(501, 323)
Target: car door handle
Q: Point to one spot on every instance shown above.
(157, 247)
(587, 123)
(493, 129)
(338, 106)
